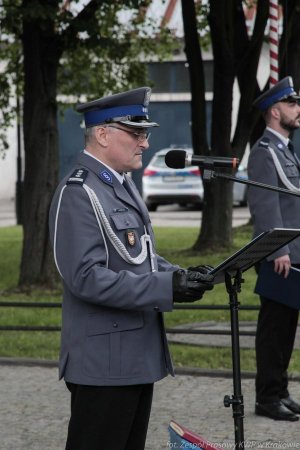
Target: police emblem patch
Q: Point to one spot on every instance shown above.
(106, 176)
(130, 237)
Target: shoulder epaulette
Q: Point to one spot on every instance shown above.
(264, 142)
(78, 177)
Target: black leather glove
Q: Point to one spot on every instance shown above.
(205, 269)
(189, 286)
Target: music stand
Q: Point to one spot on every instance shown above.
(231, 271)
(259, 248)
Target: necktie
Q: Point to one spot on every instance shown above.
(291, 146)
(126, 186)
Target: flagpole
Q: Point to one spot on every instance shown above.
(273, 41)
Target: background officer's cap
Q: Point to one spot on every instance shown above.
(129, 108)
(282, 90)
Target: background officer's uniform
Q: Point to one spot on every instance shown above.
(277, 323)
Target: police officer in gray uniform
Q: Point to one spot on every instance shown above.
(116, 287)
(273, 161)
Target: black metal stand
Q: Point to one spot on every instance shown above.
(209, 174)
(231, 271)
(233, 287)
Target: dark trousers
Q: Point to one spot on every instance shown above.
(109, 417)
(275, 336)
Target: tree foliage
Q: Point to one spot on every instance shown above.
(52, 47)
(236, 57)
(99, 51)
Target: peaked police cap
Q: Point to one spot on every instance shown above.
(282, 90)
(129, 108)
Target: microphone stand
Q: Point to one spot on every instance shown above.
(209, 174)
(233, 287)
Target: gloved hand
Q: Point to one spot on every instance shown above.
(205, 269)
(189, 286)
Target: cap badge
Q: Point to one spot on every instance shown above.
(147, 97)
(130, 237)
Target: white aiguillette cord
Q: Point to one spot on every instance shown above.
(115, 241)
(103, 223)
(281, 173)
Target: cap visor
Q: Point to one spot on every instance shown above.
(139, 124)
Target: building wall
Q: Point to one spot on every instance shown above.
(8, 167)
(170, 107)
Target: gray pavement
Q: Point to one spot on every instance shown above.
(7, 212)
(34, 405)
(34, 411)
(219, 340)
(165, 216)
(176, 216)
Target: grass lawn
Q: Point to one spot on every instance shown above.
(174, 245)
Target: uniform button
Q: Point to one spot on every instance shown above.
(156, 308)
(115, 325)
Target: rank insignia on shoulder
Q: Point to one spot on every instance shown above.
(106, 176)
(78, 176)
(130, 237)
(264, 143)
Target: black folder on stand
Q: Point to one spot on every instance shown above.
(259, 248)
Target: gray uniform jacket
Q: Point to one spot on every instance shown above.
(271, 209)
(112, 323)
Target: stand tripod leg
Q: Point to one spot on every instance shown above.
(233, 287)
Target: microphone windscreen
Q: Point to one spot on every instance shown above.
(175, 159)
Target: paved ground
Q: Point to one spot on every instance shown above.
(7, 212)
(34, 411)
(174, 216)
(219, 340)
(34, 406)
(165, 216)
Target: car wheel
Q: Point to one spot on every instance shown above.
(244, 201)
(152, 206)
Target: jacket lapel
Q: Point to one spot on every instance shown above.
(138, 199)
(278, 145)
(107, 177)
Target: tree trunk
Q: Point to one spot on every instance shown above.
(41, 146)
(290, 43)
(196, 74)
(289, 51)
(247, 54)
(216, 230)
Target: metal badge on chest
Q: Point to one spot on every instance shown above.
(130, 237)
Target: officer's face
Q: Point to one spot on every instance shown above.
(289, 115)
(126, 147)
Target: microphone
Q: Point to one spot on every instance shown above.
(178, 159)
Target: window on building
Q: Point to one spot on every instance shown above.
(174, 76)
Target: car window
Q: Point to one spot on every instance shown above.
(159, 161)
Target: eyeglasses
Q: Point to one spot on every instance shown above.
(290, 101)
(141, 137)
